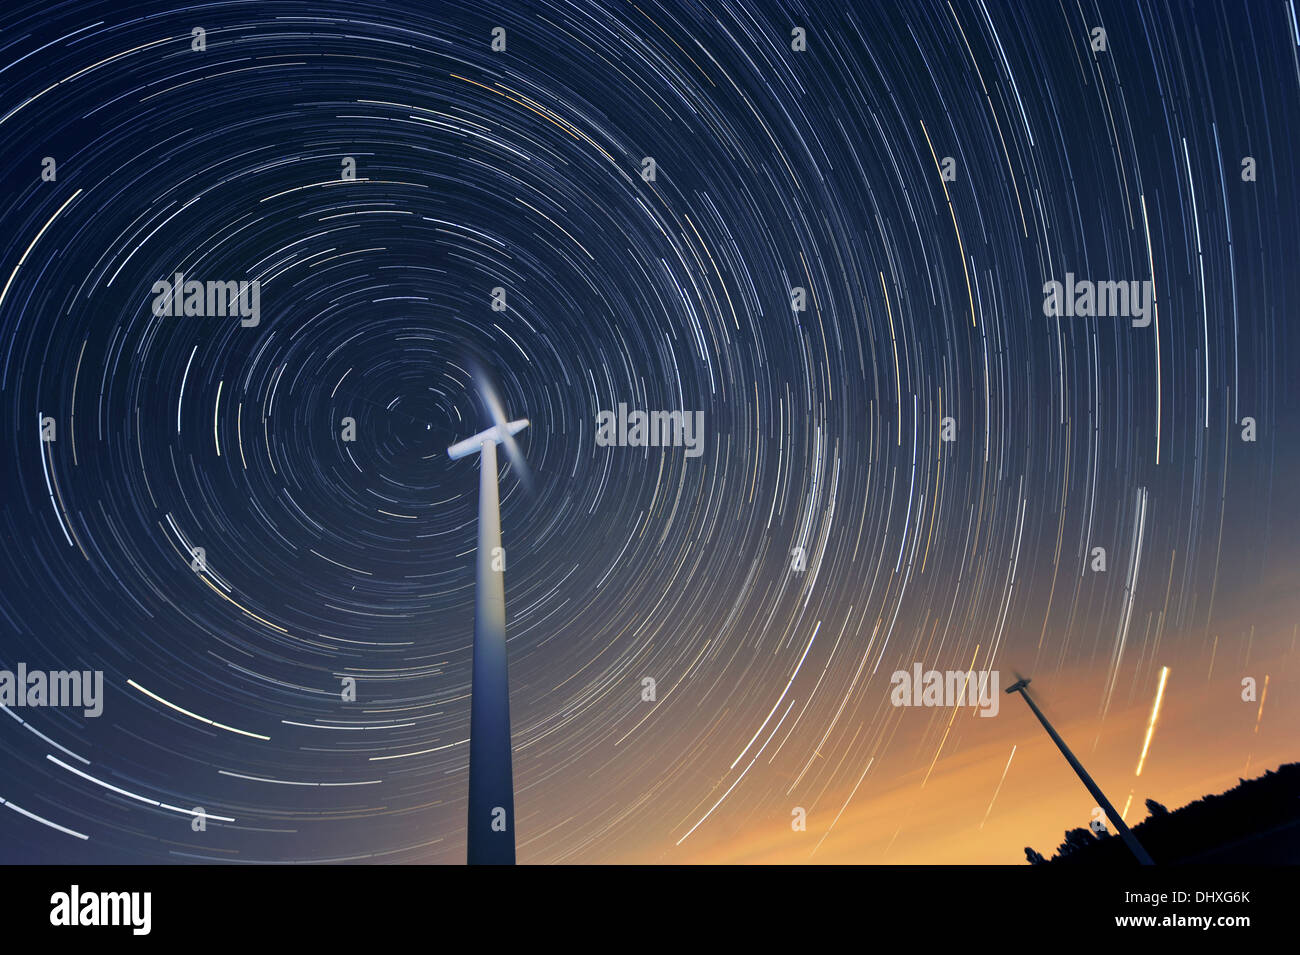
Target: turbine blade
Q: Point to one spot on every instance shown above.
(516, 458)
(491, 401)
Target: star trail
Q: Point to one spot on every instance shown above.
(255, 254)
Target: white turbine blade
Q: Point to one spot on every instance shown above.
(507, 429)
(502, 431)
(497, 434)
(471, 445)
(491, 400)
(516, 456)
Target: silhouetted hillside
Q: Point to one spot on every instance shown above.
(1257, 821)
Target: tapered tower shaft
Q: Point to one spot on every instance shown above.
(1139, 851)
(491, 824)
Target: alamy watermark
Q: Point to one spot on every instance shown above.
(651, 429)
(74, 908)
(946, 688)
(83, 688)
(1083, 298)
(212, 299)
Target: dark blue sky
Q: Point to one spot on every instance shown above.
(521, 169)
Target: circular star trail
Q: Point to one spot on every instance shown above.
(252, 528)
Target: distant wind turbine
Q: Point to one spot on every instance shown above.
(491, 825)
(1134, 846)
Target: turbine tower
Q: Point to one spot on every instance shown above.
(491, 824)
(1139, 851)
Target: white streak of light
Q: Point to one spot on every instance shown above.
(1155, 713)
(999, 789)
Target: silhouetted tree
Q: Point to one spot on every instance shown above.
(1076, 840)
(1256, 822)
(1155, 809)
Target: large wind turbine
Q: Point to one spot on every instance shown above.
(491, 821)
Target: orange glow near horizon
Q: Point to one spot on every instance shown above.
(983, 807)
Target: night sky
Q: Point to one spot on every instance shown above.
(522, 169)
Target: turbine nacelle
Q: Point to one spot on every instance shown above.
(497, 434)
